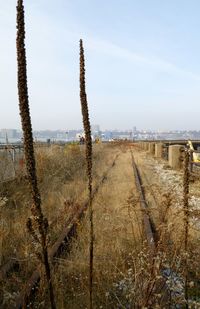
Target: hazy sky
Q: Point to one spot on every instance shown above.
(142, 63)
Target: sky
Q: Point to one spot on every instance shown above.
(142, 63)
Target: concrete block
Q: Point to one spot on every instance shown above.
(152, 148)
(174, 156)
(158, 150)
(146, 146)
(143, 145)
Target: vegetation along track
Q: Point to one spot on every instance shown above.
(13, 264)
(149, 227)
(148, 224)
(61, 245)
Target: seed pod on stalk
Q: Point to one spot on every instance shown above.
(38, 221)
(88, 149)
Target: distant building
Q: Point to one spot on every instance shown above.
(10, 133)
(61, 136)
(95, 129)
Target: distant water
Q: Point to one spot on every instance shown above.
(17, 140)
(10, 140)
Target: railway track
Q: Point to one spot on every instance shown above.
(148, 223)
(151, 236)
(26, 296)
(12, 262)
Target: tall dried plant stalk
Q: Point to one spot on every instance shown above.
(38, 224)
(186, 217)
(88, 140)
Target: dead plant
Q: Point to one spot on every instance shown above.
(88, 149)
(37, 225)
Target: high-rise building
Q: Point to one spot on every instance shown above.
(95, 129)
(10, 133)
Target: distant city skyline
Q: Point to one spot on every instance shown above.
(142, 63)
(94, 128)
(15, 136)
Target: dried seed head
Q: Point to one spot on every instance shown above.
(86, 124)
(25, 112)
(85, 114)
(28, 145)
(31, 230)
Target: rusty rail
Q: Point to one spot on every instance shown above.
(60, 246)
(148, 225)
(152, 239)
(13, 263)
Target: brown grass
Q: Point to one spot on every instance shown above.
(169, 213)
(115, 248)
(57, 187)
(123, 274)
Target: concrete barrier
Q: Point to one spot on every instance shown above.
(146, 146)
(174, 156)
(158, 150)
(143, 145)
(152, 148)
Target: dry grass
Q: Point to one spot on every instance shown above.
(124, 275)
(167, 209)
(62, 182)
(116, 227)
